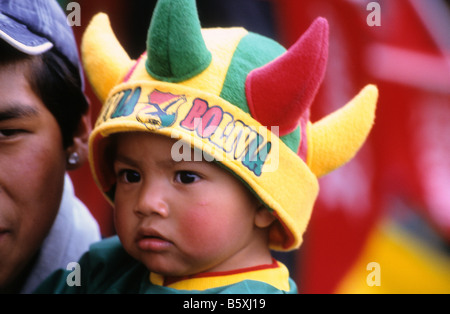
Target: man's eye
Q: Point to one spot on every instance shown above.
(9, 132)
(129, 176)
(186, 177)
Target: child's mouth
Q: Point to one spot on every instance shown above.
(152, 241)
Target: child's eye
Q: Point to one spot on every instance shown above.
(129, 176)
(186, 177)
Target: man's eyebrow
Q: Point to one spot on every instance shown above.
(15, 112)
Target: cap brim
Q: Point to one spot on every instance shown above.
(21, 38)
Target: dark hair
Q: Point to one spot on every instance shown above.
(57, 82)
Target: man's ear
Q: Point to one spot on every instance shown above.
(77, 153)
(263, 217)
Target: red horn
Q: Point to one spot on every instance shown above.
(280, 92)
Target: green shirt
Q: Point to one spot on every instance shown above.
(107, 268)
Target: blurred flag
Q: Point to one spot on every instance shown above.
(391, 204)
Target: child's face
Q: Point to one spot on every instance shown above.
(182, 218)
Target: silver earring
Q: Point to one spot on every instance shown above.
(74, 158)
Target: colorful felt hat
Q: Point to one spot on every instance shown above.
(239, 97)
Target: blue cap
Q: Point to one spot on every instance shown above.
(36, 26)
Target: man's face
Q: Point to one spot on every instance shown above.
(32, 167)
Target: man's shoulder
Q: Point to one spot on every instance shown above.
(110, 268)
(105, 268)
(107, 255)
(110, 245)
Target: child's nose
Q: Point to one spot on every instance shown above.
(152, 200)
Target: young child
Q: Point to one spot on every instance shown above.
(202, 189)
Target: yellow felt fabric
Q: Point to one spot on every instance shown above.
(221, 43)
(285, 185)
(104, 72)
(335, 139)
(277, 277)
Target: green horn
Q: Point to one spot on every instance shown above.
(176, 50)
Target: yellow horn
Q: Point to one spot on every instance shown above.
(104, 59)
(335, 139)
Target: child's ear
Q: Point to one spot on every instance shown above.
(263, 217)
(79, 148)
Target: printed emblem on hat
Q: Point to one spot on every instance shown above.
(161, 110)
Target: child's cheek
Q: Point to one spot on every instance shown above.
(204, 228)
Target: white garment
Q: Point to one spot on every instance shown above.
(72, 232)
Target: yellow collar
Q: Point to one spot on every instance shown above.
(275, 274)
